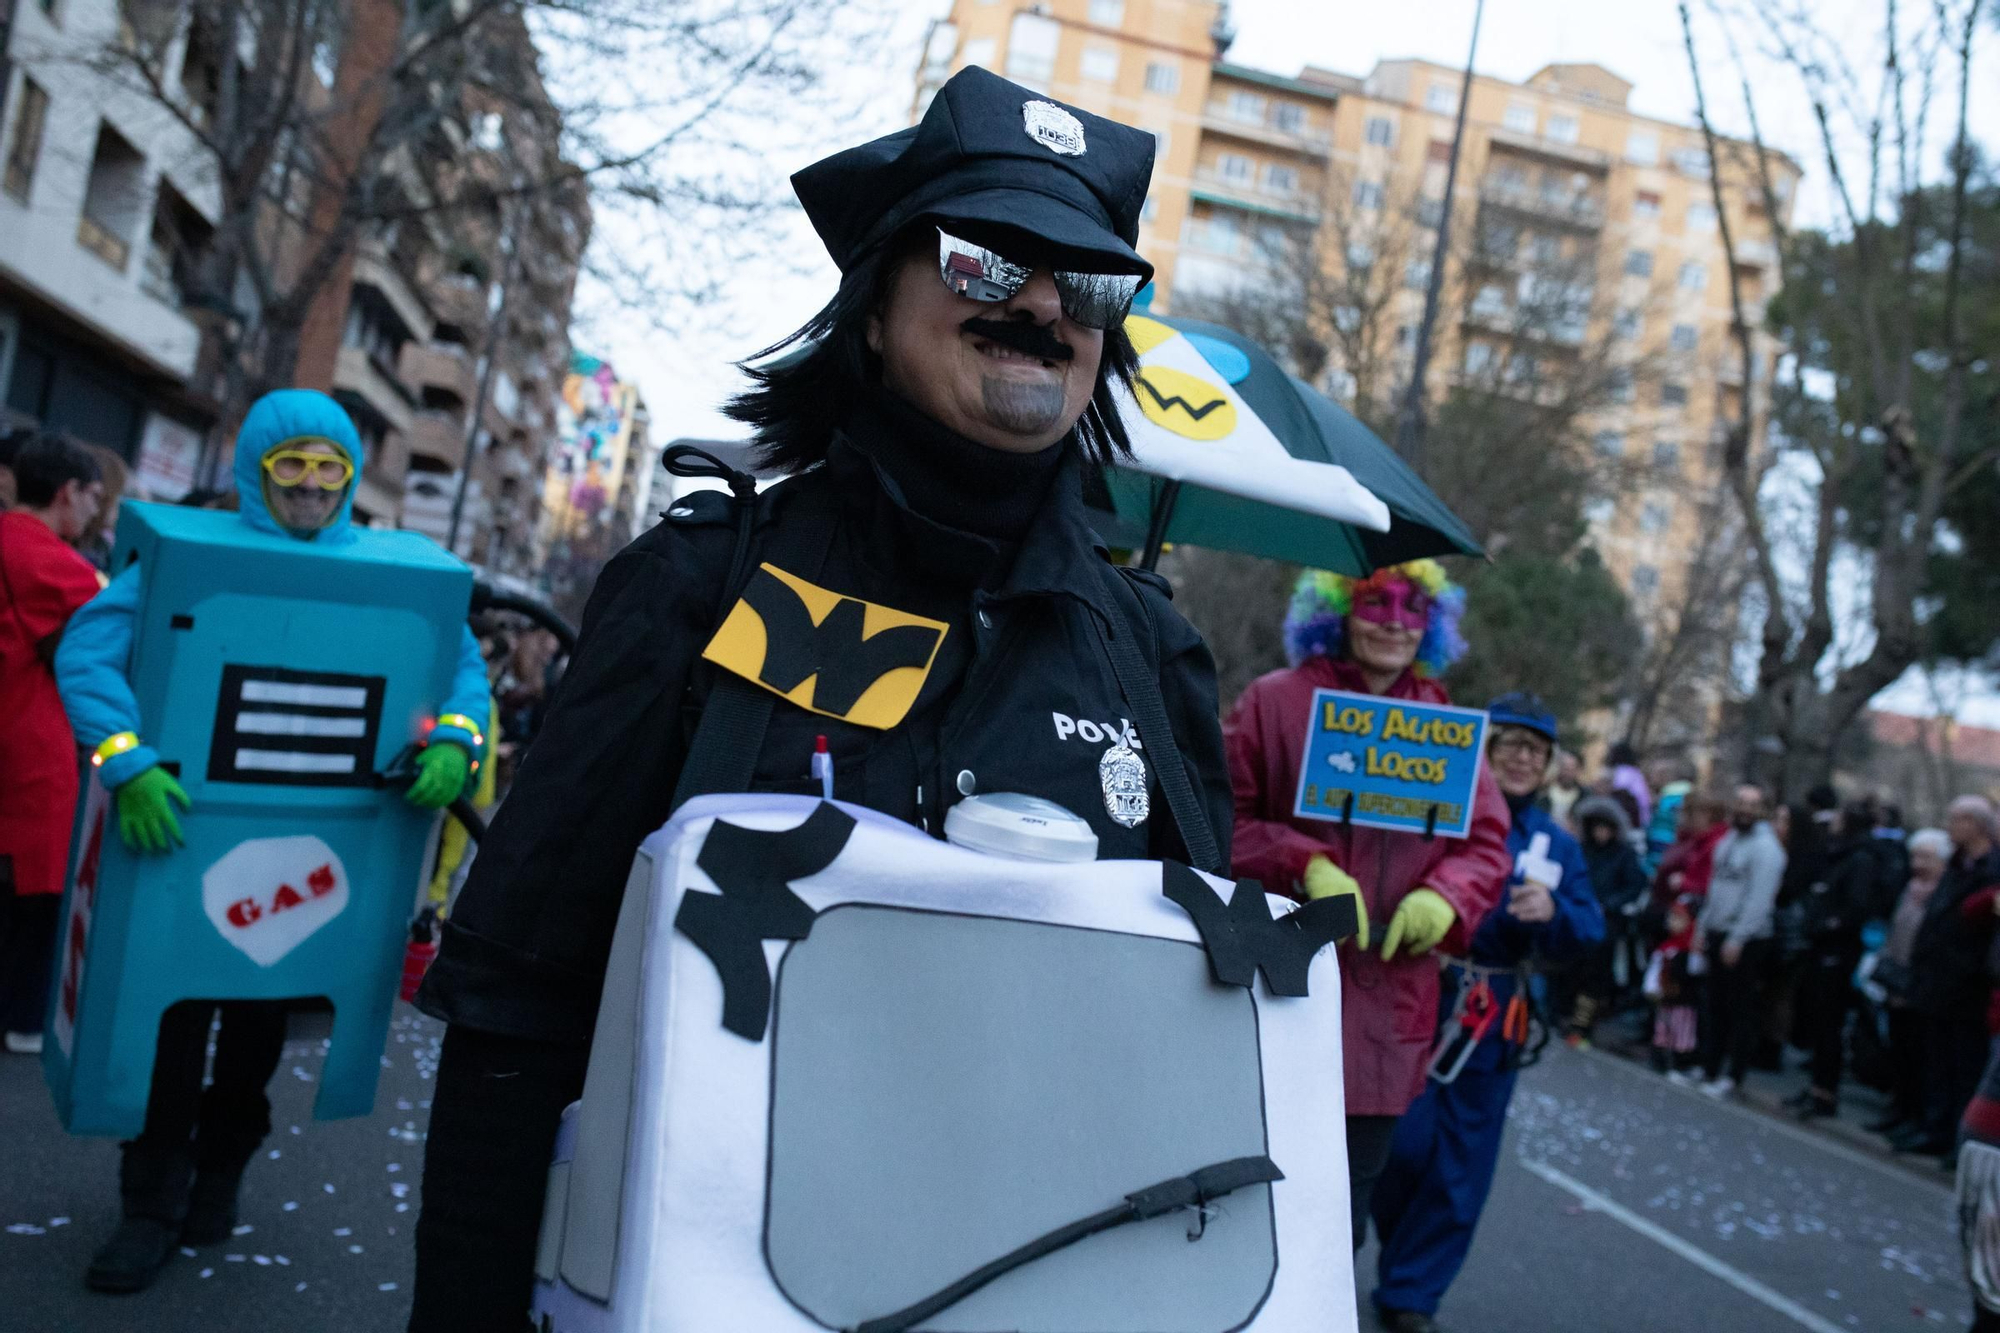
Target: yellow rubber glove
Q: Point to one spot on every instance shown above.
(1324, 879)
(1422, 919)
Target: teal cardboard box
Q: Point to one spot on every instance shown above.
(277, 679)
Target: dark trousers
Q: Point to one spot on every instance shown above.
(1369, 1138)
(1732, 1018)
(226, 1120)
(1906, 1062)
(1827, 996)
(1955, 1052)
(27, 951)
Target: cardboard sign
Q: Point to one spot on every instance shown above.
(82, 898)
(1390, 763)
(270, 895)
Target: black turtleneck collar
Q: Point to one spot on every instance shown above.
(946, 478)
(1519, 804)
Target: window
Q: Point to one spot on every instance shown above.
(1562, 129)
(1478, 358)
(1417, 274)
(1430, 212)
(1381, 131)
(1520, 117)
(1100, 64)
(1642, 148)
(1694, 276)
(1645, 205)
(1599, 511)
(1442, 98)
(1545, 250)
(1281, 180)
(980, 50)
(1150, 210)
(1107, 13)
(1701, 217)
(1031, 49)
(1161, 139)
(112, 200)
(1491, 303)
(24, 146)
(1609, 443)
(1498, 240)
(1235, 167)
(1438, 151)
(1360, 255)
(1645, 580)
(1247, 106)
(1289, 117)
(1627, 325)
(1217, 231)
(1654, 516)
(1666, 455)
(1619, 386)
(1163, 76)
(1340, 385)
(1673, 393)
(1347, 318)
(1692, 162)
(1683, 337)
(1639, 263)
(1523, 367)
(1367, 194)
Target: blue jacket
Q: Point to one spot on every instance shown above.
(96, 650)
(1501, 941)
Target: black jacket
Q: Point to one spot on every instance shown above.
(1021, 683)
(1948, 977)
(1844, 897)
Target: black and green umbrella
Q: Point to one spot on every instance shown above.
(1334, 496)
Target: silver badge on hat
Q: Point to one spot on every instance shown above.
(1054, 129)
(1122, 774)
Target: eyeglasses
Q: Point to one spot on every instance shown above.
(1528, 746)
(1094, 300)
(295, 467)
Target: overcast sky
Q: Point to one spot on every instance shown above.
(685, 380)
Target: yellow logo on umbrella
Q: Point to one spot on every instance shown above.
(1185, 404)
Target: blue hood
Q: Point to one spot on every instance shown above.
(282, 417)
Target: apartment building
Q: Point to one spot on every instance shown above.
(100, 198)
(1557, 169)
(597, 492)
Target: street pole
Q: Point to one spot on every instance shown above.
(1410, 422)
(494, 324)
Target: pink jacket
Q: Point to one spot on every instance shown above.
(1388, 1010)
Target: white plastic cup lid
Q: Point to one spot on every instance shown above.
(1025, 827)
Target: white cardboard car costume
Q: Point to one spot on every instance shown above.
(847, 1076)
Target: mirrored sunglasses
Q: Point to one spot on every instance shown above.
(1094, 300)
(294, 467)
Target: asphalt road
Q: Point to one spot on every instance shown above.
(1623, 1203)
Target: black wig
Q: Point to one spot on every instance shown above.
(801, 397)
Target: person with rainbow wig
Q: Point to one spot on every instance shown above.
(1392, 634)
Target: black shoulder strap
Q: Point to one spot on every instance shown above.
(722, 755)
(1141, 688)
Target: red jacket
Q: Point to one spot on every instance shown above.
(42, 583)
(1388, 1010)
(1692, 857)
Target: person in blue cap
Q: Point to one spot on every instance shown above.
(297, 459)
(935, 422)
(1447, 1144)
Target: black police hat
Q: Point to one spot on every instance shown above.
(991, 152)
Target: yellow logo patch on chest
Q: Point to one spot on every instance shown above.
(831, 654)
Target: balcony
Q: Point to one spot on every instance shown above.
(1217, 120)
(374, 267)
(1549, 150)
(1212, 188)
(357, 373)
(1581, 211)
(437, 441)
(440, 366)
(1756, 254)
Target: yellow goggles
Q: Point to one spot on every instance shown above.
(295, 467)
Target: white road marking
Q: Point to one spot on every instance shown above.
(1694, 1254)
(1777, 1126)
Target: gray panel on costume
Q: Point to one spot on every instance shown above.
(603, 1132)
(948, 1088)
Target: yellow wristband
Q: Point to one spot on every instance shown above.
(114, 746)
(463, 723)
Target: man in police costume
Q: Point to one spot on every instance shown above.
(924, 593)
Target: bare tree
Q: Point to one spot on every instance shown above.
(1875, 398)
(434, 126)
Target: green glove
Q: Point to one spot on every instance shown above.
(1421, 921)
(441, 773)
(1324, 879)
(146, 819)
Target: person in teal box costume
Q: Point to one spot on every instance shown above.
(296, 463)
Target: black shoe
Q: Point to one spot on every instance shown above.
(1890, 1124)
(1920, 1142)
(1815, 1108)
(132, 1257)
(1800, 1100)
(211, 1215)
(1406, 1321)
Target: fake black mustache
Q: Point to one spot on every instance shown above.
(1032, 339)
